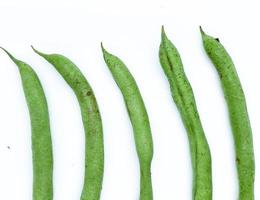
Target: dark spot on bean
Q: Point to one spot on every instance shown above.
(181, 95)
(89, 93)
(238, 160)
(77, 82)
(217, 39)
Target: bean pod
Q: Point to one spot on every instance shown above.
(41, 134)
(184, 99)
(139, 119)
(239, 119)
(94, 148)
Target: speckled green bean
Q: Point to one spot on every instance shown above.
(40, 128)
(184, 99)
(239, 119)
(139, 119)
(94, 148)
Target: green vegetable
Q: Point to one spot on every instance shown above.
(239, 119)
(139, 119)
(184, 99)
(41, 134)
(94, 155)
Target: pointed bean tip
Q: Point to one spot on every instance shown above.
(35, 50)
(4, 49)
(9, 54)
(201, 31)
(38, 52)
(163, 30)
(102, 46)
(163, 33)
(103, 49)
(105, 52)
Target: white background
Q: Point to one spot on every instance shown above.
(131, 30)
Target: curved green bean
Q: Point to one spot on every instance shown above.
(139, 119)
(239, 119)
(40, 128)
(94, 150)
(184, 99)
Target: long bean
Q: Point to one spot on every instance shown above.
(184, 99)
(94, 150)
(239, 119)
(40, 128)
(139, 119)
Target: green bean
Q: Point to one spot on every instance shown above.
(138, 117)
(184, 99)
(94, 151)
(40, 128)
(239, 119)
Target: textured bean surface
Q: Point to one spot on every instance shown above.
(184, 99)
(94, 150)
(139, 119)
(239, 119)
(41, 134)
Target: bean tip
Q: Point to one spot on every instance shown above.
(7, 52)
(3, 49)
(33, 47)
(201, 31)
(163, 34)
(163, 29)
(103, 48)
(36, 51)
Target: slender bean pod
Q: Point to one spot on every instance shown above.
(239, 119)
(139, 119)
(40, 128)
(184, 99)
(94, 150)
